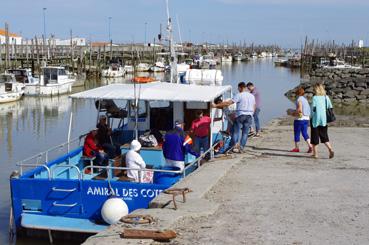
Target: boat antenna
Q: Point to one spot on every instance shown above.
(173, 57)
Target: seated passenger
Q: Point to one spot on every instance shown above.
(104, 138)
(134, 160)
(91, 149)
(176, 145)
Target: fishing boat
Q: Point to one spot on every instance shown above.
(59, 194)
(114, 70)
(10, 89)
(54, 80)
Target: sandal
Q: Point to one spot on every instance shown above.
(331, 154)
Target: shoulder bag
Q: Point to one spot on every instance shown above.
(329, 111)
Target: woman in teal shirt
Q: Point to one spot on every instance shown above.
(319, 126)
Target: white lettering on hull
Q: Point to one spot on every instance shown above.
(125, 193)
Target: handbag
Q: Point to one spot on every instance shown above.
(329, 111)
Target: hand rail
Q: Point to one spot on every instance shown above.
(63, 190)
(34, 165)
(198, 159)
(66, 166)
(126, 168)
(64, 205)
(46, 153)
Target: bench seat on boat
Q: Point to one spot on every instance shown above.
(58, 223)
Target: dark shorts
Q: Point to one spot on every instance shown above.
(317, 133)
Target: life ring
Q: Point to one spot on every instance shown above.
(143, 79)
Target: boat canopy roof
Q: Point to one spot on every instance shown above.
(155, 91)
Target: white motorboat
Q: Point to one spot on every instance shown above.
(262, 55)
(54, 80)
(114, 70)
(10, 89)
(142, 67)
(238, 56)
(158, 67)
(226, 58)
(128, 69)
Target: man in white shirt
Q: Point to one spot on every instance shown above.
(245, 108)
(134, 160)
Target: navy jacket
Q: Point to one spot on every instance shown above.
(174, 147)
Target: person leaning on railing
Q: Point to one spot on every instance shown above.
(176, 145)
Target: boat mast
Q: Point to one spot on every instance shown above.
(173, 57)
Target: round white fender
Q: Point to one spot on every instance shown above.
(113, 210)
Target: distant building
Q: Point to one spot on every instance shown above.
(77, 41)
(13, 38)
(361, 43)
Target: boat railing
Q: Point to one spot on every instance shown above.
(197, 160)
(66, 167)
(36, 165)
(109, 169)
(42, 158)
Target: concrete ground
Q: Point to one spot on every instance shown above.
(271, 196)
(284, 198)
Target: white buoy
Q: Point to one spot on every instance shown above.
(113, 210)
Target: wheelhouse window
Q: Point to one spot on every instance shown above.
(62, 72)
(142, 109)
(50, 75)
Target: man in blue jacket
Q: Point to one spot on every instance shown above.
(176, 145)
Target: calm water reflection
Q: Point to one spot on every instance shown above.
(36, 124)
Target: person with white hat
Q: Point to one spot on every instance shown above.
(134, 160)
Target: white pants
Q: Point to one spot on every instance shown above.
(172, 163)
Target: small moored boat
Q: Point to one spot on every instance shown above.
(54, 80)
(114, 70)
(10, 89)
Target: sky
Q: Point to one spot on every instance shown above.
(281, 22)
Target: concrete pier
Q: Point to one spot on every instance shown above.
(271, 196)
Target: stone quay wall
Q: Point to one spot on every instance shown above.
(347, 86)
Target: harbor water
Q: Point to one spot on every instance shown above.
(33, 124)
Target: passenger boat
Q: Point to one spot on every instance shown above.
(58, 194)
(10, 89)
(114, 70)
(54, 80)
